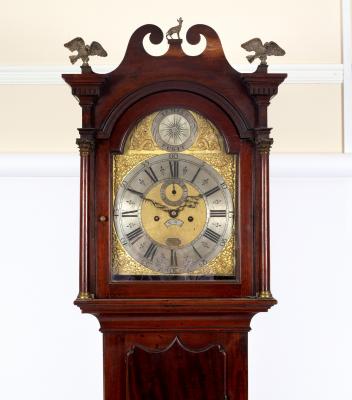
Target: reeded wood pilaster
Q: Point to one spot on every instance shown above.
(263, 144)
(86, 147)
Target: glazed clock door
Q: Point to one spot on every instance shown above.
(173, 201)
(173, 204)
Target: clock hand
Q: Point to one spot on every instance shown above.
(199, 196)
(156, 204)
(191, 202)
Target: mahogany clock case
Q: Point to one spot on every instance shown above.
(151, 326)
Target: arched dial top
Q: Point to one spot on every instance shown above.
(173, 213)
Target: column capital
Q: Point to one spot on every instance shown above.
(263, 143)
(85, 145)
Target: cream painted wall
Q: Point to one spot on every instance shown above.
(49, 118)
(35, 30)
(306, 118)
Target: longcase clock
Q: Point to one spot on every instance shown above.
(174, 222)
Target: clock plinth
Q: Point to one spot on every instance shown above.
(211, 359)
(174, 223)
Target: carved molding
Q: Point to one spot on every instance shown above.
(263, 84)
(86, 91)
(263, 90)
(87, 87)
(175, 342)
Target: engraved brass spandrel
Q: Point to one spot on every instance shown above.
(208, 139)
(123, 263)
(221, 265)
(141, 139)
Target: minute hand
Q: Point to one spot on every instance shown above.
(199, 196)
(190, 202)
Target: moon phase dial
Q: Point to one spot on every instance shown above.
(174, 129)
(173, 213)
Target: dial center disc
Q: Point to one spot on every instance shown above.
(175, 226)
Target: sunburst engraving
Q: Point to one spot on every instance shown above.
(174, 129)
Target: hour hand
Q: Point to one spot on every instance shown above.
(156, 204)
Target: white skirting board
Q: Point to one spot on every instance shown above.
(281, 165)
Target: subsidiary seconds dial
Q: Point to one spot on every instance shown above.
(173, 213)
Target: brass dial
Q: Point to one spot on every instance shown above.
(175, 226)
(173, 213)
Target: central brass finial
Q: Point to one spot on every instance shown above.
(175, 29)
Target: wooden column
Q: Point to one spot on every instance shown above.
(263, 144)
(86, 147)
(87, 89)
(86, 142)
(262, 87)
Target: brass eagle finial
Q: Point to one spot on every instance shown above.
(262, 51)
(84, 50)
